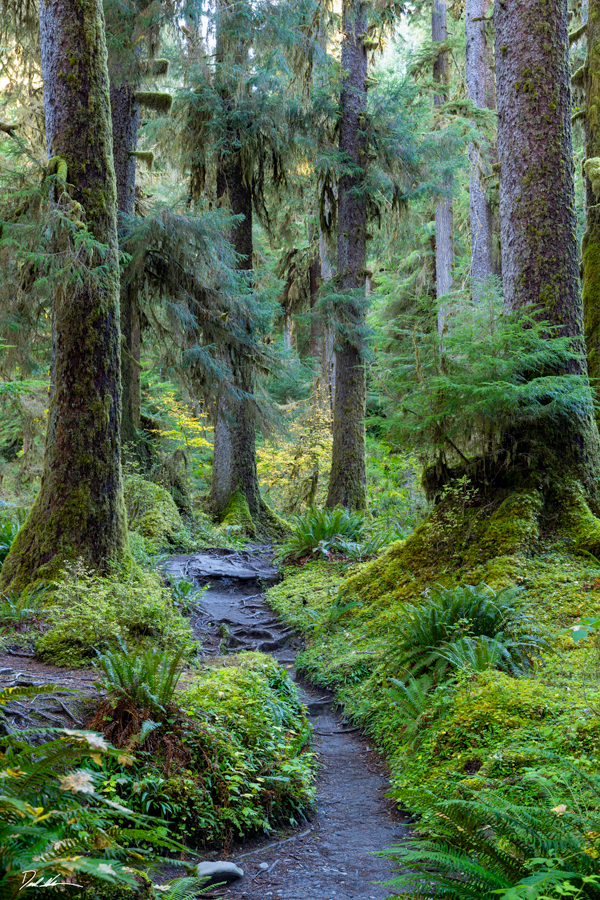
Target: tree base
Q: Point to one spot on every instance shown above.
(267, 525)
(471, 539)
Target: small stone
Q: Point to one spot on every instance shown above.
(219, 872)
(263, 866)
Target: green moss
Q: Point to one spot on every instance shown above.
(153, 514)
(512, 528)
(577, 522)
(88, 613)
(237, 514)
(145, 156)
(155, 100)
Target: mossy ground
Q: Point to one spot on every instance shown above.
(483, 731)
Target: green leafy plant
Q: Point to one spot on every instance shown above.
(321, 532)
(185, 594)
(22, 609)
(492, 848)
(148, 680)
(90, 614)
(56, 825)
(468, 625)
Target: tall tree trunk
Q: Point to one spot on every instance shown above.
(537, 208)
(347, 484)
(125, 122)
(79, 511)
(591, 240)
(444, 255)
(234, 457)
(477, 85)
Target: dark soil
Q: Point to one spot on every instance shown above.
(331, 857)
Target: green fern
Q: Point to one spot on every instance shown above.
(468, 616)
(148, 680)
(490, 848)
(321, 532)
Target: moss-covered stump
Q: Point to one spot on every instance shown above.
(153, 514)
(576, 522)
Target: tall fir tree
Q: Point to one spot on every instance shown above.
(79, 511)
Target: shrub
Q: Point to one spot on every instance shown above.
(322, 531)
(90, 614)
(248, 738)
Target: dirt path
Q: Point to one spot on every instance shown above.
(330, 857)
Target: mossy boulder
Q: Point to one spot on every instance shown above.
(152, 513)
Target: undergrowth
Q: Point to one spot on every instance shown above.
(227, 755)
(89, 614)
(468, 685)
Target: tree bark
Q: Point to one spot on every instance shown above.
(79, 511)
(591, 240)
(347, 483)
(234, 457)
(537, 208)
(477, 88)
(444, 255)
(125, 122)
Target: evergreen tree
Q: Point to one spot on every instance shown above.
(79, 511)
(348, 467)
(479, 77)
(537, 208)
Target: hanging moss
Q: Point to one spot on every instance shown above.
(146, 156)
(155, 100)
(592, 170)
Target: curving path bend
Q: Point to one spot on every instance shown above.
(331, 856)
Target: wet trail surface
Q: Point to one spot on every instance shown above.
(331, 856)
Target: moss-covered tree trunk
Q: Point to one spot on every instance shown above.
(234, 459)
(125, 122)
(347, 483)
(79, 511)
(591, 240)
(537, 208)
(444, 219)
(480, 209)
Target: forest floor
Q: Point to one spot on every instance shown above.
(331, 856)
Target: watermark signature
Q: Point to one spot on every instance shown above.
(31, 880)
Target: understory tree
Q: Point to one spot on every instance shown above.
(79, 511)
